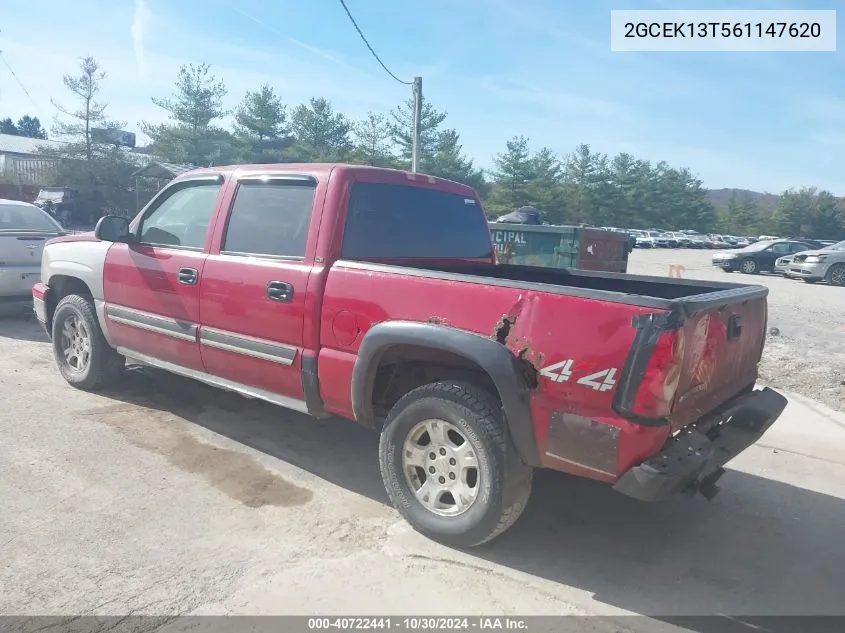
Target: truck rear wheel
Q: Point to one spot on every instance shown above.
(84, 357)
(449, 467)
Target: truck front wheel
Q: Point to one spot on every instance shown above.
(449, 467)
(82, 353)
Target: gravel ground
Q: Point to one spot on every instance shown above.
(808, 355)
(162, 496)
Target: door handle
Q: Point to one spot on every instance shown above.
(280, 291)
(734, 327)
(188, 276)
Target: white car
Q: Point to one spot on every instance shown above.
(24, 229)
(782, 264)
(645, 241)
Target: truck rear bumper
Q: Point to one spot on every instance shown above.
(694, 458)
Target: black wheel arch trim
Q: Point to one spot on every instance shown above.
(506, 371)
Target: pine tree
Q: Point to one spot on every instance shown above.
(449, 162)
(373, 141)
(7, 126)
(99, 171)
(192, 136)
(31, 127)
(402, 126)
(322, 135)
(261, 126)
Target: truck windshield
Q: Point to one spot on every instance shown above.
(405, 221)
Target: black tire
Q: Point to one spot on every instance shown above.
(748, 266)
(504, 481)
(104, 365)
(836, 275)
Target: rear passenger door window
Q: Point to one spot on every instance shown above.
(406, 221)
(182, 218)
(270, 219)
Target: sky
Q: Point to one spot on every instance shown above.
(538, 68)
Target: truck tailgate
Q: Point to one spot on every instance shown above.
(722, 349)
(687, 363)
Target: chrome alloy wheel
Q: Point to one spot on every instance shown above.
(76, 343)
(441, 467)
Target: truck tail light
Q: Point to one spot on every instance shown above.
(660, 380)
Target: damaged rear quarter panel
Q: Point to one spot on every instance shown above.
(543, 328)
(546, 329)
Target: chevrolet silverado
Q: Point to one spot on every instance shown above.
(374, 295)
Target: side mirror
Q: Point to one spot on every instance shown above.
(113, 228)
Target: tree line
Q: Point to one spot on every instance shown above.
(26, 126)
(582, 186)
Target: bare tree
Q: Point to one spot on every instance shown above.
(89, 112)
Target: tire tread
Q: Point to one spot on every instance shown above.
(518, 476)
(105, 364)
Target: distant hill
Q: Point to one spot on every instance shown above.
(721, 198)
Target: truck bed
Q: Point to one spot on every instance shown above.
(709, 336)
(662, 293)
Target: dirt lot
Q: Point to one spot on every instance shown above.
(166, 497)
(808, 356)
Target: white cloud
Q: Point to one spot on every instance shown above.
(140, 22)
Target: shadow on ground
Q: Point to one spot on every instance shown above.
(761, 548)
(20, 324)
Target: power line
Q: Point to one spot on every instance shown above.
(20, 83)
(378, 59)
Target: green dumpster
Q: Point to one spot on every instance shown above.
(560, 246)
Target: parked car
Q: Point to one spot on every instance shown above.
(814, 243)
(646, 241)
(782, 264)
(827, 264)
(24, 229)
(682, 240)
(373, 294)
(670, 239)
(659, 239)
(758, 257)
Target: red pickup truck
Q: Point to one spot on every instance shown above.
(374, 295)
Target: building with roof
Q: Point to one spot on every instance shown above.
(24, 165)
(26, 168)
(149, 179)
(158, 170)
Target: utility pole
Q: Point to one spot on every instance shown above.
(415, 132)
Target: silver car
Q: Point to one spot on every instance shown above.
(827, 264)
(782, 264)
(24, 229)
